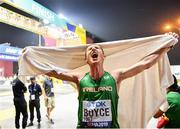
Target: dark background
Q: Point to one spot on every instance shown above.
(107, 19)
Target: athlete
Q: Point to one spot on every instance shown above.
(98, 89)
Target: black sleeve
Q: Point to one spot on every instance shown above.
(23, 86)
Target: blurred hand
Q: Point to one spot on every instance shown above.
(173, 34)
(24, 49)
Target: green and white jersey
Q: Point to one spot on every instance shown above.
(98, 101)
(173, 113)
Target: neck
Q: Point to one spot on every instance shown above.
(96, 71)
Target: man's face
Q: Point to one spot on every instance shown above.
(33, 81)
(94, 54)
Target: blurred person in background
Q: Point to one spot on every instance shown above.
(19, 102)
(34, 101)
(48, 89)
(171, 108)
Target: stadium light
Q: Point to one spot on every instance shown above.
(168, 27)
(171, 27)
(62, 16)
(45, 21)
(80, 25)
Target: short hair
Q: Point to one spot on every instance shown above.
(174, 86)
(32, 78)
(91, 45)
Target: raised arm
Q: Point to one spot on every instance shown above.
(143, 64)
(64, 76)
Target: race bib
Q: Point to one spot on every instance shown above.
(32, 97)
(52, 89)
(97, 113)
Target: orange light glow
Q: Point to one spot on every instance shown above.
(168, 27)
(178, 21)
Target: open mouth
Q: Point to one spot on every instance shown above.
(94, 55)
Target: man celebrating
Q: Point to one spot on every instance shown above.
(98, 89)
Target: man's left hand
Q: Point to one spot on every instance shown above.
(173, 34)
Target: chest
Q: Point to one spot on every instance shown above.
(33, 88)
(103, 88)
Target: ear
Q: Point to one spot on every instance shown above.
(104, 55)
(86, 60)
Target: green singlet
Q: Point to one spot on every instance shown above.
(173, 113)
(98, 101)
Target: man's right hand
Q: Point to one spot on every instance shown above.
(51, 73)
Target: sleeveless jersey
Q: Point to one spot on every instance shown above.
(98, 101)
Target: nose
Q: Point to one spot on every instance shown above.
(93, 48)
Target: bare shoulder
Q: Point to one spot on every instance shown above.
(113, 73)
(118, 74)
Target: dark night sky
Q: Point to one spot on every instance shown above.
(107, 19)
